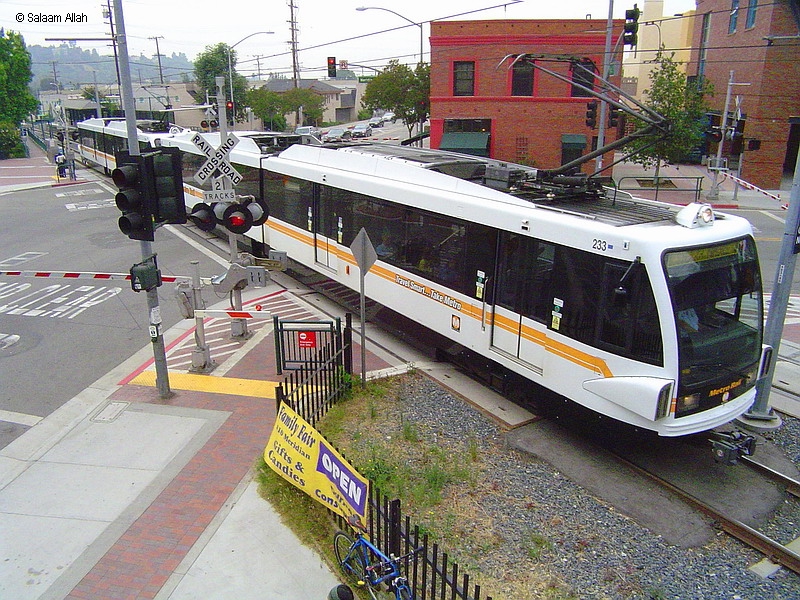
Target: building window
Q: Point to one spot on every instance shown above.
(522, 79)
(751, 14)
(463, 78)
(583, 73)
(734, 18)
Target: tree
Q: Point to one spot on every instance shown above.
(10, 142)
(16, 101)
(684, 106)
(402, 91)
(310, 101)
(213, 63)
(268, 106)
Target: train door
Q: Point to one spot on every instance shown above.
(523, 271)
(325, 227)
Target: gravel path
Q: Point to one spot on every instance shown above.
(578, 546)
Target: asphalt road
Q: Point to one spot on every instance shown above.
(58, 335)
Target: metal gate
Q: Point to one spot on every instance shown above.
(319, 356)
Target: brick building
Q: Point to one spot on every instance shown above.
(759, 43)
(482, 105)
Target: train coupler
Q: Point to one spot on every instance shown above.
(728, 447)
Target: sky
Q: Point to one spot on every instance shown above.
(324, 27)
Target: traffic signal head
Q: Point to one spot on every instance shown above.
(133, 197)
(332, 67)
(613, 116)
(165, 168)
(631, 27)
(591, 114)
(202, 215)
(229, 106)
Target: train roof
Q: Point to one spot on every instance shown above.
(578, 197)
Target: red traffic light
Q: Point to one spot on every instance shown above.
(234, 217)
(229, 105)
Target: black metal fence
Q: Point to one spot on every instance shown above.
(430, 572)
(318, 380)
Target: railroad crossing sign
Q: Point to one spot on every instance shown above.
(216, 159)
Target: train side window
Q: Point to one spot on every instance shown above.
(575, 285)
(541, 291)
(514, 272)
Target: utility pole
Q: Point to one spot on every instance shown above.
(109, 15)
(295, 61)
(158, 54)
(761, 416)
(156, 335)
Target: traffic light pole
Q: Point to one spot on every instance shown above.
(238, 326)
(154, 311)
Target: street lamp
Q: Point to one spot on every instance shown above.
(230, 65)
(361, 8)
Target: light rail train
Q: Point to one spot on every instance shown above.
(645, 312)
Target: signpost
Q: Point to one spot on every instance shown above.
(365, 255)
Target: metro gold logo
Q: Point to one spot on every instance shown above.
(726, 389)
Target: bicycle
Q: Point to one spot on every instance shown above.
(367, 566)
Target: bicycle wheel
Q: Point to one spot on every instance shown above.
(403, 592)
(351, 561)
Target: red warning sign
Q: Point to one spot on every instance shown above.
(307, 339)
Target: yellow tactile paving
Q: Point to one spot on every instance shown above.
(208, 383)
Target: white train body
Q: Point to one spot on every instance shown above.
(584, 296)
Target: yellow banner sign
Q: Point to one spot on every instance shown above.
(299, 454)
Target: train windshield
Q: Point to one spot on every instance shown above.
(717, 302)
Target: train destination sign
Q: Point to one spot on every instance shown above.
(216, 159)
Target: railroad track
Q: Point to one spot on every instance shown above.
(772, 549)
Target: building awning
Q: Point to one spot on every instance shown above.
(466, 142)
(573, 140)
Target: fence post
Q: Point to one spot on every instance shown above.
(394, 527)
(280, 396)
(278, 355)
(348, 343)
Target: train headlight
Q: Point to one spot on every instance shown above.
(687, 403)
(695, 215)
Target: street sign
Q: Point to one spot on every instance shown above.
(216, 159)
(363, 251)
(219, 196)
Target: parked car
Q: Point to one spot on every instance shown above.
(337, 134)
(307, 130)
(362, 130)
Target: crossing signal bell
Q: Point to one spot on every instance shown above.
(332, 67)
(591, 114)
(631, 28)
(133, 197)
